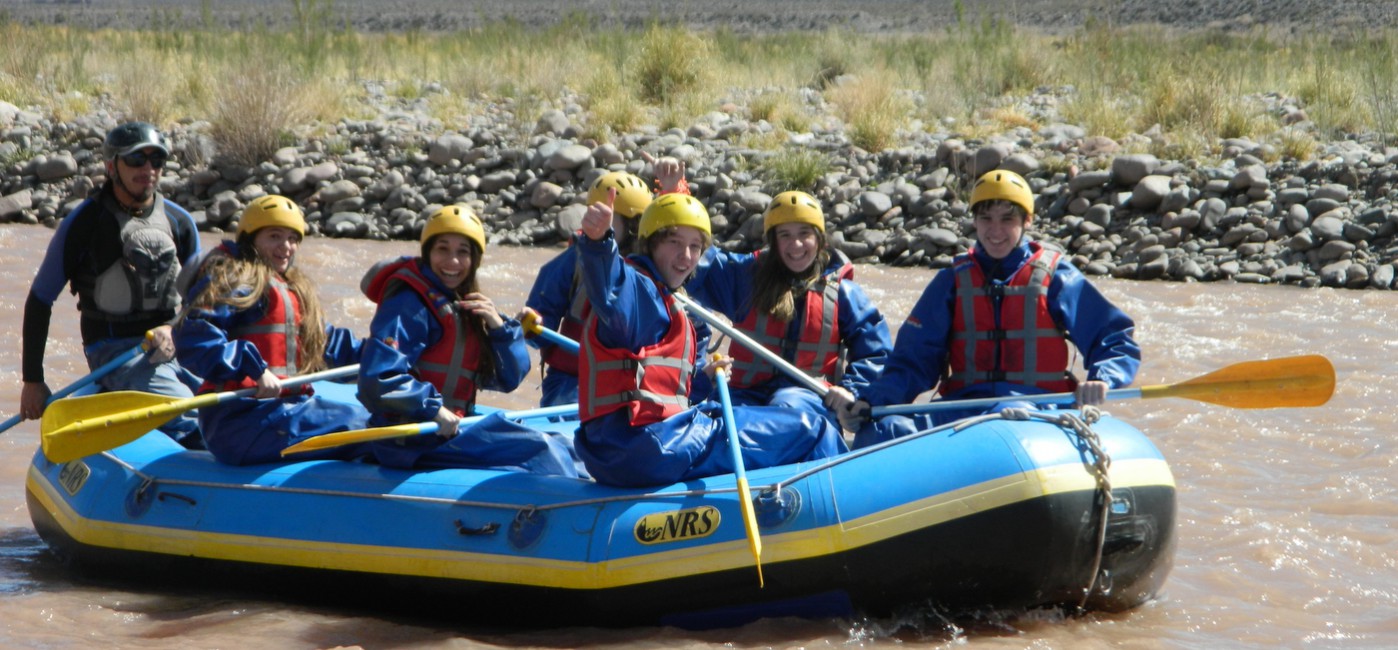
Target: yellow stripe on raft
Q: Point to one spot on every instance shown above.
(664, 565)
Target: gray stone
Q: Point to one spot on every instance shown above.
(1021, 163)
(570, 219)
(1150, 192)
(552, 121)
(346, 224)
(1131, 169)
(1089, 180)
(1248, 178)
(338, 191)
(11, 205)
(1328, 227)
(56, 168)
(1332, 192)
(448, 147)
(570, 157)
(874, 204)
(989, 157)
(545, 195)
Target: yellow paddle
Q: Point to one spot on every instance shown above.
(1307, 380)
(414, 428)
(81, 426)
(744, 495)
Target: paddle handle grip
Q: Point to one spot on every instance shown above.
(102, 371)
(819, 387)
(532, 325)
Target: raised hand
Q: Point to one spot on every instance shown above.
(598, 219)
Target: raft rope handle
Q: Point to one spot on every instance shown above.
(150, 481)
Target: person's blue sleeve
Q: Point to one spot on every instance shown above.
(342, 347)
(864, 335)
(919, 354)
(722, 282)
(401, 330)
(511, 357)
(552, 293)
(52, 276)
(1101, 331)
(203, 347)
(628, 306)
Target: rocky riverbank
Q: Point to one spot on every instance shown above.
(1329, 221)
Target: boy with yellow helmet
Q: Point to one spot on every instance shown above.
(641, 381)
(435, 341)
(254, 319)
(999, 322)
(557, 297)
(796, 297)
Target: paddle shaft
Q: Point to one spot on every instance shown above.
(102, 371)
(773, 358)
(980, 402)
(740, 472)
(339, 439)
(557, 339)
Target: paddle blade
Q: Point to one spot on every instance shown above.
(81, 426)
(1307, 380)
(750, 525)
(331, 440)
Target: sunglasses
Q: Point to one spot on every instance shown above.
(138, 159)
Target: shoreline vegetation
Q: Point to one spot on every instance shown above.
(1243, 151)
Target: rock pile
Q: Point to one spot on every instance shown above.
(1328, 221)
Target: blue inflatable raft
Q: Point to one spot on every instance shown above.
(1000, 514)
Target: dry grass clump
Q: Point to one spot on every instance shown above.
(672, 63)
(871, 108)
(254, 109)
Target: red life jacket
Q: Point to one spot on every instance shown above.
(651, 383)
(816, 351)
(1024, 346)
(275, 336)
(452, 363)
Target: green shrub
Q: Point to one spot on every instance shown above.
(795, 168)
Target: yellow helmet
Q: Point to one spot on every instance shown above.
(632, 195)
(458, 219)
(272, 210)
(674, 210)
(793, 207)
(1006, 185)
